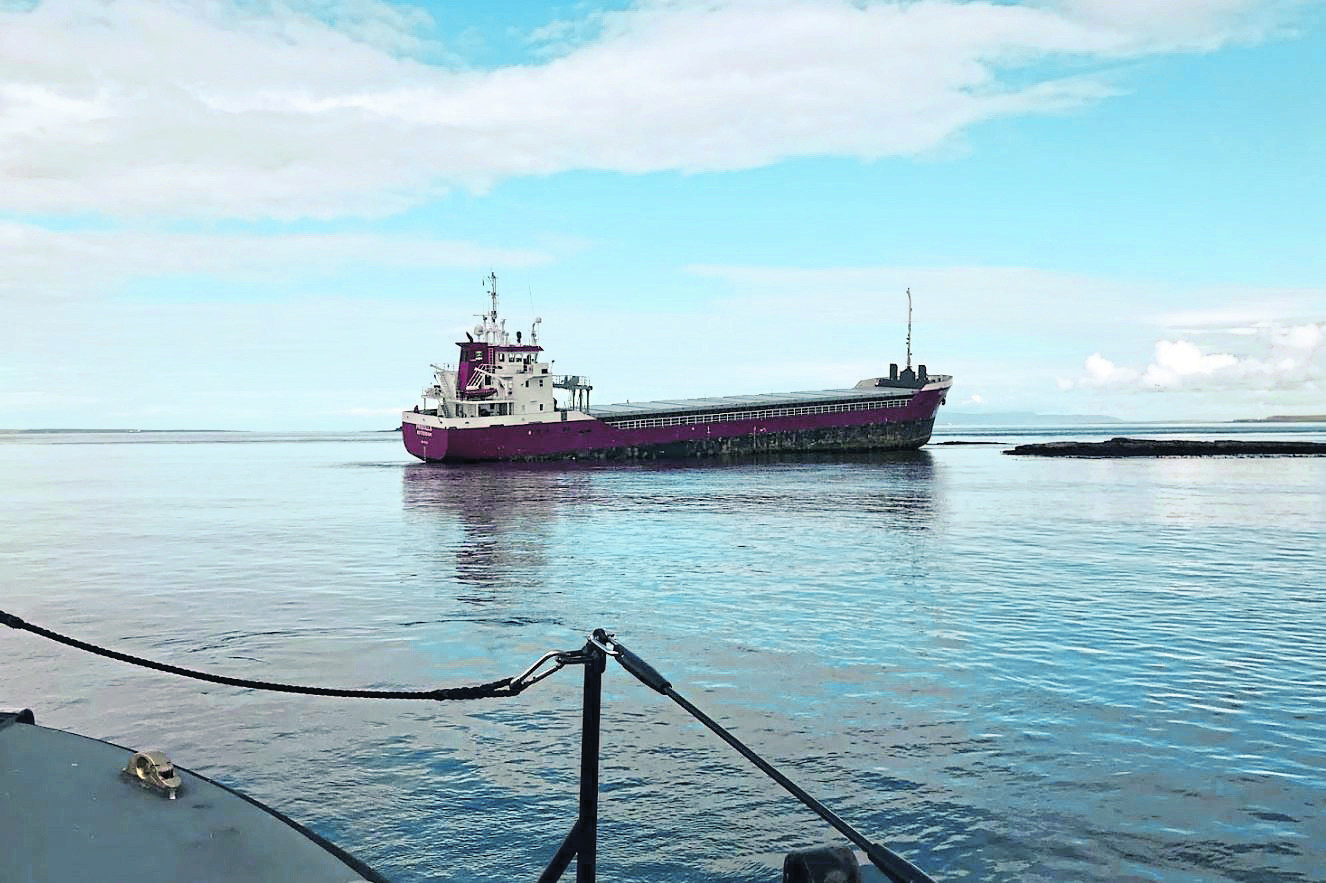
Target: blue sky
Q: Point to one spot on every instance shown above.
(274, 215)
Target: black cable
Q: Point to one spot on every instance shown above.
(499, 689)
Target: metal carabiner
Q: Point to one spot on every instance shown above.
(603, 641)
(527, 677)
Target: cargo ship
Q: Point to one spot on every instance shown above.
(501, 402)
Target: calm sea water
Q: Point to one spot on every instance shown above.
(1004, 668)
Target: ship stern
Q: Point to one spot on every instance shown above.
(428, 443)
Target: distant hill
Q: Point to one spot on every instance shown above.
(74, 429)
(1286, 418)
(1018, 418)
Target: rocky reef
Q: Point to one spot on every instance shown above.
(1158, 447)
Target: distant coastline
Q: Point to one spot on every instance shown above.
(1020, 418)
(1285, 418)
(951, 420)
(58, 431)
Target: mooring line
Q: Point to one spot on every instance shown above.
(580, 842)
(499, 689)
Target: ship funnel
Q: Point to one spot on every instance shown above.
(920, 373)
(893, 371)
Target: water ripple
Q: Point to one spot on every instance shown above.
(1006, 669)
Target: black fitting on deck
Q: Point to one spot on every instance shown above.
(894, 866)
(581, 842)
(643, 671)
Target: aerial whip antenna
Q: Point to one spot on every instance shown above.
(534, 328)
(909, 329)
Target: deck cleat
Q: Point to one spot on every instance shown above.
(154, 771)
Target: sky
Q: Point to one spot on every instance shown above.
(276, 214)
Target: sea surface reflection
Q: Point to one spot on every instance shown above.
(1008, 669)
(494, 522)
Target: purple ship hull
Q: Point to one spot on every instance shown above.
(881, 428)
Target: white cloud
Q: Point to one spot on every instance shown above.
(1242, 311)
(1277, 357)
(1194, 24)
(1178, 362)
(1301, 338)
(1101, 371)
(322, 109)
(51, 263)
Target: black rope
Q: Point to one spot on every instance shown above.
(499, 689)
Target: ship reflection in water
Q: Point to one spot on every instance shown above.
(503, 526)
(495, 520)
(907, 502)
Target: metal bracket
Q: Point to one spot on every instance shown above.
(154, 771)
(537, 672)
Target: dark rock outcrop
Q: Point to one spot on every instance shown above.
(1156, 447)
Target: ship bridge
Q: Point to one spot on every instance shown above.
(496, 376)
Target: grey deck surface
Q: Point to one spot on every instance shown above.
(770, 400)
(66, 814)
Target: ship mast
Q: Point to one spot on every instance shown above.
(489, 329)
(909, 328)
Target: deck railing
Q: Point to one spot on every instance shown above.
(752, 414)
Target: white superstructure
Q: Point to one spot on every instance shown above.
(497, 378)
